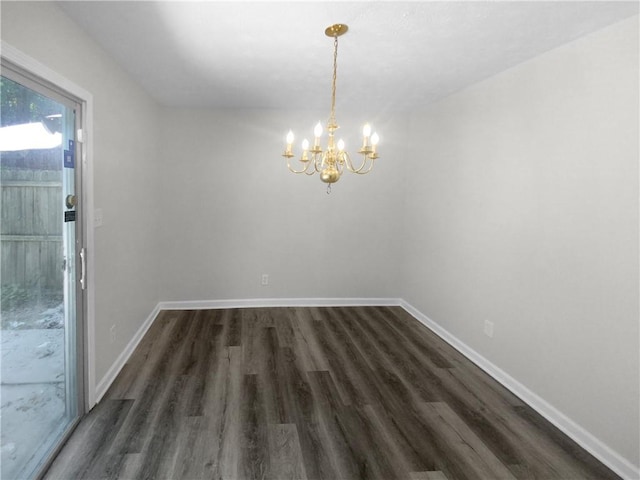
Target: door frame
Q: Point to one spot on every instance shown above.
(38, 69)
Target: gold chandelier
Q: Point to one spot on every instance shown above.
(330, 163)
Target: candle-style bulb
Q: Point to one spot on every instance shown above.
(305, 151)
(289, 137)
(366, 130)
(340, 145)
(374, 146)
(317, 132)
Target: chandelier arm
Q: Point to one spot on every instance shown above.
(360, 172)
(304, 170)
(360, 169)
(320, 161)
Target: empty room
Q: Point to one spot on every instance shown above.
(320, 240)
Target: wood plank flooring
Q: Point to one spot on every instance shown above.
(311, 393)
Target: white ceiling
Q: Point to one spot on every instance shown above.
(396, 55)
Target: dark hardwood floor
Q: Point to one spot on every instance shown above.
(311, 393)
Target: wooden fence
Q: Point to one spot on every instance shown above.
(31, 223)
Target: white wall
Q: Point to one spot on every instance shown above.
(232, 211)
(126, 168)
(522, 208)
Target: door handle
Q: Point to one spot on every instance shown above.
(83, 269)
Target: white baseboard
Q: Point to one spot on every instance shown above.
(278, 302)
(112, 373)
(582, 437)
(586, 440)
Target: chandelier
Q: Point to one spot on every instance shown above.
(331, 161)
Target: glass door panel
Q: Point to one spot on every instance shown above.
(40, 323)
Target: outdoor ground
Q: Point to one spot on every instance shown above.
(32, 382)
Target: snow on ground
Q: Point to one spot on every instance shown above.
(32, 390)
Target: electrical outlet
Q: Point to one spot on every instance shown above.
(488, 328)
(113, 333)
(265, 279)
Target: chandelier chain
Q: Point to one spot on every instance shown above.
(332, 119)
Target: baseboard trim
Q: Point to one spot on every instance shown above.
(112, 373)
(278, 302)
(586, 440)
(582, 437)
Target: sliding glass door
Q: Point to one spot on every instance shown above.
(41, 332)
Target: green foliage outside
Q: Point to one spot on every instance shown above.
(20, 105)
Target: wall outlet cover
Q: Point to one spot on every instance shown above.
(488, 328)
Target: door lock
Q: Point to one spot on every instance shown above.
(71, 201)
